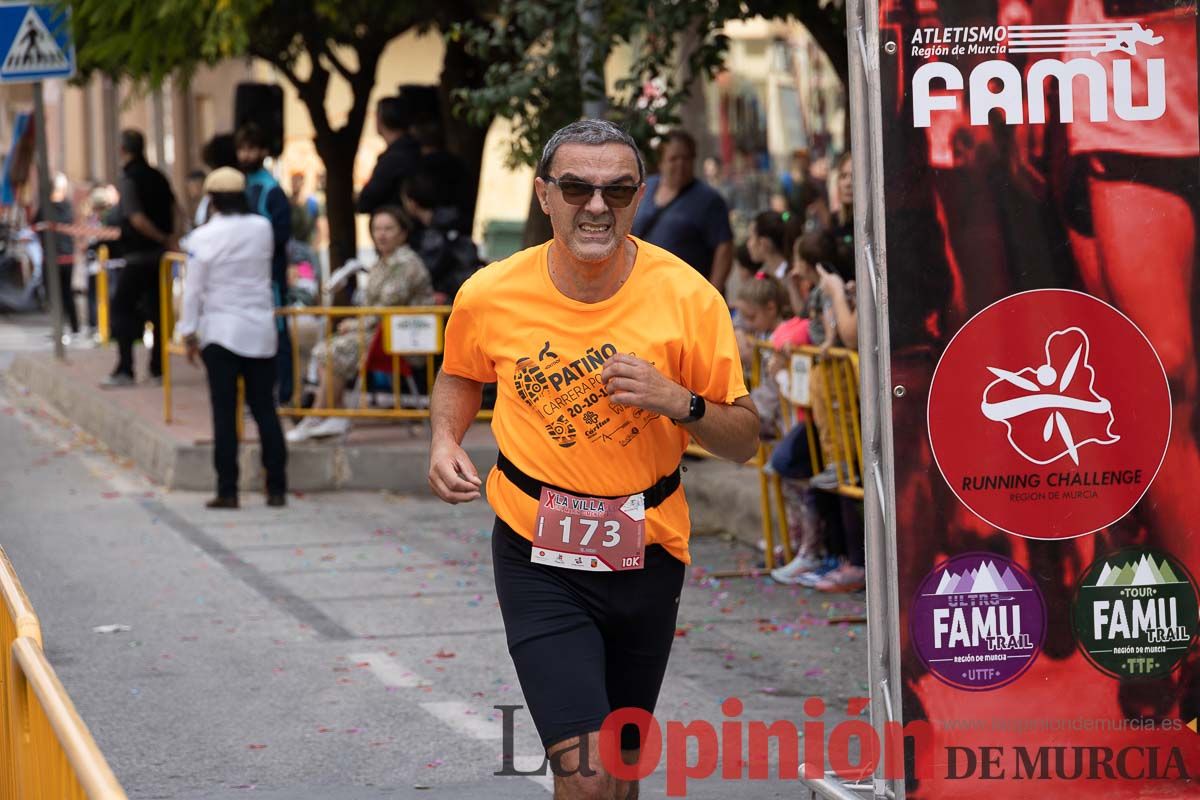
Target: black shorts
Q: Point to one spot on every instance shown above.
(585, 643)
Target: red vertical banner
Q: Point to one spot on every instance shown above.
(1041, 178)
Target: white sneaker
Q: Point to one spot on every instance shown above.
(799, 565)
(330, 426)
(827, 479)
(303, 430)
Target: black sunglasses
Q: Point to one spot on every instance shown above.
(579, 193)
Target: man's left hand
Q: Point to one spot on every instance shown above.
(631, 381)
(192, 347)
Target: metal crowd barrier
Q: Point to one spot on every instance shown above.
(412, 338)
(820, 382)
(46, 750)
(103, 324)
(167, 317)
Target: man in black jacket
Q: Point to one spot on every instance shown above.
(398, 161)
(146, 214)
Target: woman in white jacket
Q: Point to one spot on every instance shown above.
(229, 321)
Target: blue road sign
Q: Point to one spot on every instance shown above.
(35, 43)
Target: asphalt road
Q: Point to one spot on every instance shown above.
(347, 647)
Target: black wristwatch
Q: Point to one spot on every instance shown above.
(696, 409)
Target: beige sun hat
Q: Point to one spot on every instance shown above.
(225, 179)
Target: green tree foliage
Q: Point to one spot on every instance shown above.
(532, 49)
(308, 41)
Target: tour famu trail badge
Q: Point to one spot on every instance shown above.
(1136, 613)
(978, 621)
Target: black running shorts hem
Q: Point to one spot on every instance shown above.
(585, 644)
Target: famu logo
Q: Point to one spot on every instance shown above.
(978, 621)
(998, 84)
(1136, 613)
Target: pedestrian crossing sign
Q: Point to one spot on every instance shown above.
(35, 43)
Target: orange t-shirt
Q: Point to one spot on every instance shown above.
(511, 325)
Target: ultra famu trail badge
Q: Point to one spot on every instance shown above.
(978, 621)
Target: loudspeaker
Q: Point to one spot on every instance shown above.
(262, 104)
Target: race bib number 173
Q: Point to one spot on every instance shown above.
(593, 534)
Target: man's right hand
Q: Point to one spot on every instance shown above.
(452, 476)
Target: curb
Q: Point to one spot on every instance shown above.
(723, 497)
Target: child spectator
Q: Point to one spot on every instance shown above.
(815, 284)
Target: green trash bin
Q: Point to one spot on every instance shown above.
(502, 238)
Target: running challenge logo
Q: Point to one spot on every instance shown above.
(1049, 414)
(998, 83)
(1061, 391)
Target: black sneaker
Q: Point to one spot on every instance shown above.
(277, 500)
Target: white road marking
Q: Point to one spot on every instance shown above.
(454, 714)
(389, 671)
(458, 716)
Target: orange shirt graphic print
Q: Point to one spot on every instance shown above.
(529, 379)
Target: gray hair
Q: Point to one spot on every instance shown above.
(592, 132)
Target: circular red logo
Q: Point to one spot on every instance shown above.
(1049, 414)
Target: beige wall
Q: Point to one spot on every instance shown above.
(83, 122)
(503, 193)
(193, 115)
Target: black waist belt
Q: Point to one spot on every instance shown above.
(654, 496)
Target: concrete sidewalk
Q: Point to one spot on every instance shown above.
(376, 455)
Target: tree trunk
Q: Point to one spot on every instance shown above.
(339, 195)
(827, 25)
(461, 71)
(537, 225)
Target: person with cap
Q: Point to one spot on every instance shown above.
(229, 321)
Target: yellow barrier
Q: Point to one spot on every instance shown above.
(102, 316)
(834, 375)
(19, 621)
(47, 752)
(166, 323)
(55, 757)
(168, 317)
(428, 351)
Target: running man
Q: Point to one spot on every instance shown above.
(609, 353)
